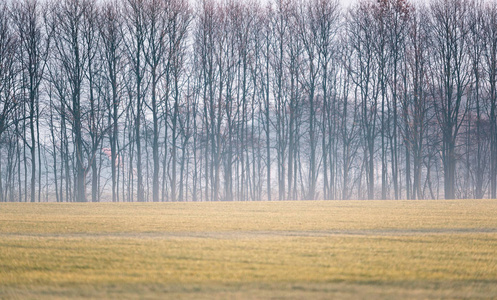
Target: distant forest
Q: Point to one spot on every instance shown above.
(173, 100)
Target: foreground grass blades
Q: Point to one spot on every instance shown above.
(347, 249)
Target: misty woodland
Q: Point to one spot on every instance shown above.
(172, 100)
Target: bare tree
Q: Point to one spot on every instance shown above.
(110, 28)
(34, 45)
(8, 73)
(95, 124)
(72, 56)
(490, 68)
(476, 47)
(415, 105)
(179, 18)
(449, 28)
(8, 44)
(135, 44)
(327, 21)
(156, 14)
(365, 76)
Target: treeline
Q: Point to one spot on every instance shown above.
(165, 100)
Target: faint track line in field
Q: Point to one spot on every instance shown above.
(259, 234)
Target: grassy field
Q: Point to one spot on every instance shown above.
(250, 250)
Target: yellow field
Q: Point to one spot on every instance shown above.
(254, 250)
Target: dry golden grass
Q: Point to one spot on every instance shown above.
(311, 249)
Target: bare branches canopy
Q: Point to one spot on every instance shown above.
(169, 100)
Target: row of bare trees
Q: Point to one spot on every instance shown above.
(165, 100)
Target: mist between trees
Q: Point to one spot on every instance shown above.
(167, 100)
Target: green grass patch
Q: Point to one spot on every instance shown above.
(250, 250)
